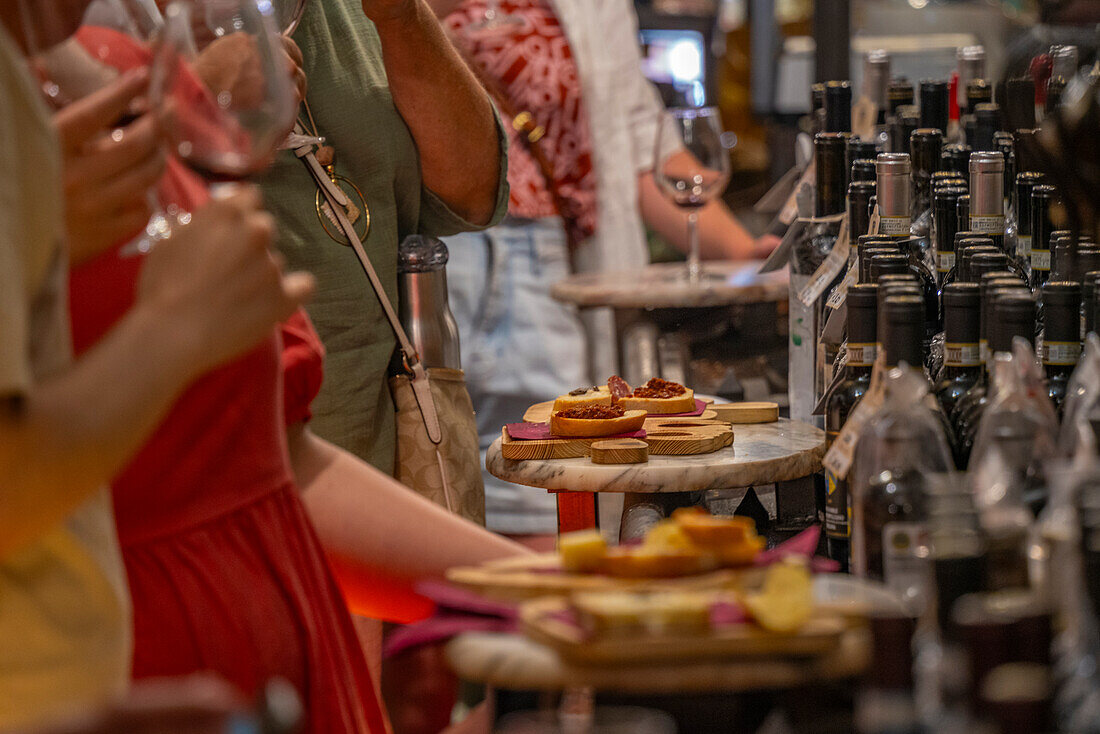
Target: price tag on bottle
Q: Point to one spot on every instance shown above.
(839, 457)
(830, 268)
(837, 298)
(838, 377)
(789, 212)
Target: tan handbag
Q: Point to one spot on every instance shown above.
(437, 440)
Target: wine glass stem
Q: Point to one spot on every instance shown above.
(694, 263)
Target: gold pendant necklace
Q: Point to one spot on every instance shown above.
(356, 209)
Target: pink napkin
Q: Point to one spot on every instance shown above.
(700, 406)
(541, 432)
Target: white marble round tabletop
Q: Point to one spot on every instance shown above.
(666, 286)
(761, 454)
(513, 662)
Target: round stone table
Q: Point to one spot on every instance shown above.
(761, 454)
(665, 286)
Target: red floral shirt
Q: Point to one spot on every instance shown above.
(534, 66)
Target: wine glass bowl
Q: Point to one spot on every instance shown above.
(692, 167)
(221, 76)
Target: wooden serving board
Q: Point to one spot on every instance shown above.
(542, 621)
(540, 412)
(534, 576)
(665, 436)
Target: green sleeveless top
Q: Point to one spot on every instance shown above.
(351, 104)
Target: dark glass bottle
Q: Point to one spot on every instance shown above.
(901, 128)
(987, 209)
(934, 110)
(987, 284)
(811, 249)
(1061, 337)
(892, 504)
(1089, 285)
(863, 170)
(1062, 255)
(838, 107)
(1013, 311)
(962, 361)
(1019, 104)
(859, 212)
(987, 262)
(1043, 198)
(862, 340)
(945, 223)
(978, 91)
(956, 157)
(964, 208)
(967, 245)
(1025, 183)
(867, 255)
(1088, 260)
(899, 93)
(858, 150)
(817, 108)
(987, 121)
(924, 151)
(885, 702)
(895, 220)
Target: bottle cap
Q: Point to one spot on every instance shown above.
(904, 324)
(862, 303)
(961, 309)
(1013, 316)
(887, 265)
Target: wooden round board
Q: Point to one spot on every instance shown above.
(545, 621)
(619, 451)
(665, 436)
(530, 577)
(540, 412)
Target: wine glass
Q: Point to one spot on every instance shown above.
(222, 78)
(496, 21)
(692, 167)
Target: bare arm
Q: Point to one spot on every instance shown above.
(448, 112)
(362, 514)
(721, 236)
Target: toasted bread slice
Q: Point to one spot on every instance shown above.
(631, 421)
(708, 531)
(592, 396)
(641, 563)
(662, 406)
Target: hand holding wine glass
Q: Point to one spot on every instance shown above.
(692, 168)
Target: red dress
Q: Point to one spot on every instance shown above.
(225, 570)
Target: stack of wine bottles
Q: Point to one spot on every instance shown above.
(957, 252)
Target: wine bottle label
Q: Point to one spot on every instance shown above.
(1040, 259)
(905, 557)
(1061, 353)
(861, 355)
(1023, 246)
(837, 519)
(962, 355)
(945, 261)
(991, 224)
(894, 226)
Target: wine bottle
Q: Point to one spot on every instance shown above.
(956, 157)
(967, 245)
(861, 348)
(934, 110)
(970, 63)
(945, 223)
(838, 107)
(987, 121)
(1043, 198)
(1089, 286)
(863, 170)
(962, 358)
(1025, 184)
(987, 214)
(858, 150)
(859, 213)
(1088, 259)
(817, 109)
(1061, 337)
(926, 145)
(901, 128)
(1019, 104)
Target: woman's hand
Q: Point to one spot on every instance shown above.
(110, 165)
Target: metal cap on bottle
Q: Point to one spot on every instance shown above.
(863, 169)
(961, 313)
(1025, 183)
(956, 157)
(893, 285)
(904, 323)
(893, 170)
(862, 302)
(933, 104)
(1088, 260)
(986, 262)
(970, 62)
(892, 264)
(830, 176)
(858, 149)
(945, 222)
(988, 288)
(966, 248)
(1019, 104)
(987, 192)
(838, 107)
(876, 76)
(1013, 316)
(867, 254)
